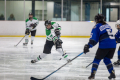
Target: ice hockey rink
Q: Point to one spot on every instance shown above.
(15, 61)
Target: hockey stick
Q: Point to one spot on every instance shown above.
(89, 65)
(32, 78)
(19, 41)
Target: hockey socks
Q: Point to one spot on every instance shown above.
(32, 39)
(119, 54)
(94, 68)
(41, 56)
(95, 65)
(108, 64)
(61, 52)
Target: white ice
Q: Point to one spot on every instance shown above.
(15, 61)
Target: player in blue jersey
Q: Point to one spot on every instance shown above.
(102, 33)
(117, 38)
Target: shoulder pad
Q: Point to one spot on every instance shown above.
(35, 18)
(53, 23)
(27, 20)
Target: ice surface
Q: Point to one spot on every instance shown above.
(15, 61)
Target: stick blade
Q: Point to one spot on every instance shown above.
(33, 78)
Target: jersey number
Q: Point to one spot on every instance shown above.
(91, 35)
(110, 34)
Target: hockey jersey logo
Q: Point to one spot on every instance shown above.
(103, 27)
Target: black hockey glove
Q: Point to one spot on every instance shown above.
(27, 32)
(58, 43)
(57, 32)
(86, 48)
(33, 25)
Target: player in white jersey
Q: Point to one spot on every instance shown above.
(52, 38)
(31, 25)
(117, 38)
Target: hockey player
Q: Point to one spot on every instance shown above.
(117, 38)
(102, 33)
(31, 25)
(52, 38)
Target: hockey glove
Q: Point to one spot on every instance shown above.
(86, 48)
(27, 32)
(33, 25)
(57, 32)
(58, 43)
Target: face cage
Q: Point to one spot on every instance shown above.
(30, 18)
(47, 28)
(117, 26)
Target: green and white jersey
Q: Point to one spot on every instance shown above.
(29, 22)
(50, 33)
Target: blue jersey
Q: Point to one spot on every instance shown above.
(117, 36)
(102, 34)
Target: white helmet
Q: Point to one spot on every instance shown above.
(117, 25)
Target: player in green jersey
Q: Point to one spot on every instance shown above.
(52, 38)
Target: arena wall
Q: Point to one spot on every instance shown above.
(69, 29)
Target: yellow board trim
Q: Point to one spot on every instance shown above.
(45, 36)
(76, 36)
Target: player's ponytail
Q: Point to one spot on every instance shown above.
(99, 18)
(102, 22)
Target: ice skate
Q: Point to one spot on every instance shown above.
(112, 76)
(33, 61)
(117, 62)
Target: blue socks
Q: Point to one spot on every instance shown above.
(95, 65)
(119, 54)
(108, 64)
